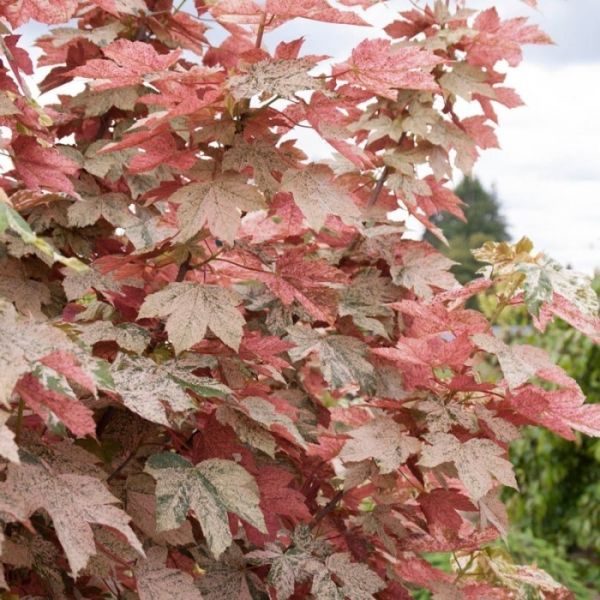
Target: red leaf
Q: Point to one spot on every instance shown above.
(561, 411)
(66, 364)
(128, 62)
(77, 417)
(441, 507)
(43, 167)
(384, 70)
(161, 149)
(277, 500)
(560, 307)
(53, 12)
(501, 40)
(318, 10)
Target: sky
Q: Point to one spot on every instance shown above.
(547, 172)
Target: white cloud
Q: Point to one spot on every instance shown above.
(547, 172)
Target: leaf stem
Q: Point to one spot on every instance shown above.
(19, 423)
(379, 186)
(231, 262)
(261, 30)
(323, 512)
(15, 69)
(178, 7)
(503, 303)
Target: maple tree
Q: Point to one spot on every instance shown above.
(225, 373)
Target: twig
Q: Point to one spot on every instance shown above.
(184, 268)
(261, 30)
(379, 186)
(178, 7)
(321, 514)
(19, 423)
(122, 465)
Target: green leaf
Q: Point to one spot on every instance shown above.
(11, 219)
(547, 277)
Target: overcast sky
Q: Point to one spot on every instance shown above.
(547, 173)
(548, 170)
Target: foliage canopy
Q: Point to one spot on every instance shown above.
(224, 371)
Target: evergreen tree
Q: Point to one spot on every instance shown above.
(484, 222)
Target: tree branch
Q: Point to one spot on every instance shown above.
(379, 186)
(328, 508)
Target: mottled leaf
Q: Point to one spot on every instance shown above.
(382, 439)
(192, 307)
(74, 502)
(209, 489)
(318, 196)
(217, 204)
(476, 461)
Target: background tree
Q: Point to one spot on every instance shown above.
(483, 221)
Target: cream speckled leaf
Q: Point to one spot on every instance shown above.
(275, 78)
(493, 511)
(264, 158)
(113, 207)
(27, 294)
(210, 489)
(8, 447)
(156, 581)
(423, 271)
(364, 300)
(263, 412)
(247, 430)
(128, 335)
(504, 430)
(7, 106)
(286, 567)
(477, 461)
(192, 307)
(442, 416)
(115, 548)
(101, 36)
(318, 196)
(217, 204)
(546, 277)
(324, 588)
(141, 505)
(74, 502)
(147, 389)
(77, 285)
(358, 581)
(342, 357)
(383, 440)
(226, 578)
(464, 80)
(518, 362)
(109, 165)
(96, 103)
(23, 344)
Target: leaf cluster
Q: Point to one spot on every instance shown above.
(225, 373)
